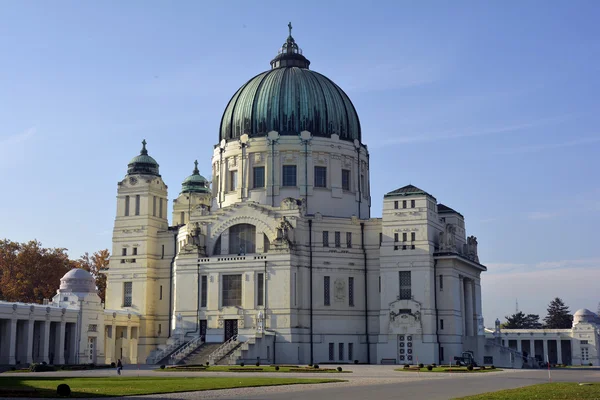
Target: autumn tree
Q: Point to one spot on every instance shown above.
(521, 321)
(559, 316)
(29, 272)
(94, 264)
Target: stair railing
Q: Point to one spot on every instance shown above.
(186, 350)
(159, 355)
(223, 349)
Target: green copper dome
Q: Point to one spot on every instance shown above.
(195, 183)
(143, 164)
(290, 99)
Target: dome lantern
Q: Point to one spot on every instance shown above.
(290, 55)
(143, 164)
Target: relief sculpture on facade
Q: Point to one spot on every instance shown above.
(405, 317)
(446, 242)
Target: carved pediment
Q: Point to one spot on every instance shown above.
(405, 317)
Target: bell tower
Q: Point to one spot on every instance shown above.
(142, 248)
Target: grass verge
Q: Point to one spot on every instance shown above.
(249, 368)
(546, 391)
(18, 386)
(447, 370)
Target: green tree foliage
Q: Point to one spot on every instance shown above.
(521, 321)
(559, 316)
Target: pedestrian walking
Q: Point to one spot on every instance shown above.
(119, 367)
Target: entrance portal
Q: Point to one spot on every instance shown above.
(231, 328)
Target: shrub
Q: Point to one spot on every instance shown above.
(207, 363)
(590, 364)
(470, 368)
(162, 366)
(355, 361)
(242, 364)
(316, 366)
(63, 390)
(113, 365)
(433, 365)
(258, 363)
(310, 365)
(13, 368)
(421, 365)
(41, 368)
(482, 367)
(406, 366)
(339, 369)
(492, 367)
(429, 367)
(277, 368)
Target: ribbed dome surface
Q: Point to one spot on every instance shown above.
(290, 100)
(143, 163)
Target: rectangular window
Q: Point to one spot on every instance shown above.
(403, 203)
(159, 329)
(331, 352)
(135, 251)
(351, 291)
(160, 207)
(295, 289)
(346, 179)
(126, 206)
(123, 251)
(288, 175)
(350, 351)
(182, 217)
(404, 236)
(405, 285)
(325, 239)
(441, 282)
(363, 184)
(412, 204)
(441, 324)
(379, 284)
(584, 342)
(326, 298)
(413, 236)
(380, 238)
(349, 240)
(441, 353)
(160, 293)
(321, 177)
(154, 206)
(396, 204)
(396, 237)
(127, 293)
(162, 253)
(233, 180)
(137, 204)
(204, 289)
(232, 290)
(216, 186)
(259, 177)
(260, 289)
(341, 351)
(338, 239)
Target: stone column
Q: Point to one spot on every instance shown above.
(469, 306)
(532, 348)
(477, 306)
(559, 351)
(545, 356)
(45, 345)
(73, 343)
(12, 341)
(113, 343)
(59, 349)
(127, 352)
(461, 286)
(28, 346)
(519, 346)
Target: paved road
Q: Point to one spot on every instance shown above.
(366, 382)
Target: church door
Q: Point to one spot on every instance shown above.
(231, 328)
(203, 328)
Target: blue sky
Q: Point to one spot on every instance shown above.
(490, 106)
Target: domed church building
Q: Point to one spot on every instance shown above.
(276, 258)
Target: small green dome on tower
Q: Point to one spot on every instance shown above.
(195, 183)
(143, 164)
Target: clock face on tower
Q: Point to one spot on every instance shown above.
(133, 180)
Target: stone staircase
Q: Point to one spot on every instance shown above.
(163, 351)
(201, 354)
(237, 353)
(223, 350)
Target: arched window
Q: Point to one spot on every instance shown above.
(266, 244)
(217, 250)
(242, 239)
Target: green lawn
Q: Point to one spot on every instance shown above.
(126, 386)
(544, 391)
(250, 368)
(447, 369)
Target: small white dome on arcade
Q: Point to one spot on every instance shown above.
(77, 280)
(584, 315)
